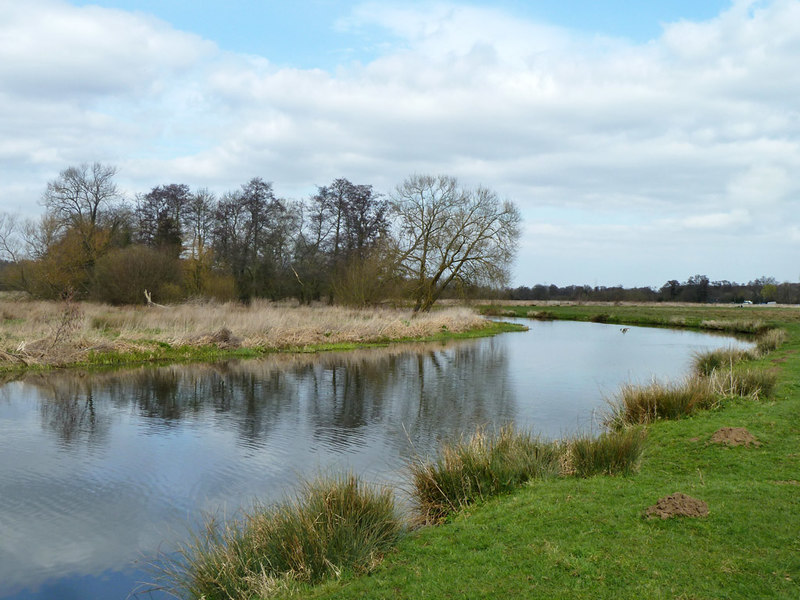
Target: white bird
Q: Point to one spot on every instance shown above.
(624, 330)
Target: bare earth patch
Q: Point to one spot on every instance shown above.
(734, 436)
(677, 505)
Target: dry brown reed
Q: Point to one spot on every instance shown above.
(262, 324)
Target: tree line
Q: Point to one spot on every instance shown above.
(346, 243)
(697, 288)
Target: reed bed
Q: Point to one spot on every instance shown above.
(44, 332)
(478, 467)
(332, 526)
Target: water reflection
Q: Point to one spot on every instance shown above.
(101, 470)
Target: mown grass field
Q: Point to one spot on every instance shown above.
(588, 538)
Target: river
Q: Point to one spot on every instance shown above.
(99, 472)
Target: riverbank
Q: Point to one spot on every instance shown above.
(589, 538)
(40, 335)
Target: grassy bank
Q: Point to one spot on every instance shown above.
(37, 334)
(574, 537)
(750, 319)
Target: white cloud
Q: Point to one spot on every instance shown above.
(723, 220)
(698, 129)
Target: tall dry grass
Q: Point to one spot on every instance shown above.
(33, 331)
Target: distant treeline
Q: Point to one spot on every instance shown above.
(697, 288)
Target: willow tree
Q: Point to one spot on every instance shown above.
(446, 233)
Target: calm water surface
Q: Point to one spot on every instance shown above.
(98, 473)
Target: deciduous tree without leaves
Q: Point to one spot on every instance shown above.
(448, 233)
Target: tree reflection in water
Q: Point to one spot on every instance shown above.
(417, 394)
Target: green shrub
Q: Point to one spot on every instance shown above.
(612, 453)
(479, 467)
(334, 525)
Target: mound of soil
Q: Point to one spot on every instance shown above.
(734, 436)
(678, 505)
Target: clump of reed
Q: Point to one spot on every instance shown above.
(643, 404)
(746, 383)
(334, 525)
(610, 453)
(478, 467)
(770, 340)
(706, 363)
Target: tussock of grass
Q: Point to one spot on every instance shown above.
(611, 453)
(334, 525)
(770, 340)
(705, 363)
(476, 468)
(643, 404)
(749, 383)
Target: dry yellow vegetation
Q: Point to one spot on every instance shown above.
(41, 332)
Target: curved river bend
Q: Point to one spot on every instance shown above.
(99, 472)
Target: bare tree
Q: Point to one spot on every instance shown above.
(447, 233)
(11, 243)
(78, 195)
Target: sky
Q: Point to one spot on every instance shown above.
(642, 141)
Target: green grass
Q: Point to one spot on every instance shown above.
(587, 538)
(711, 317)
